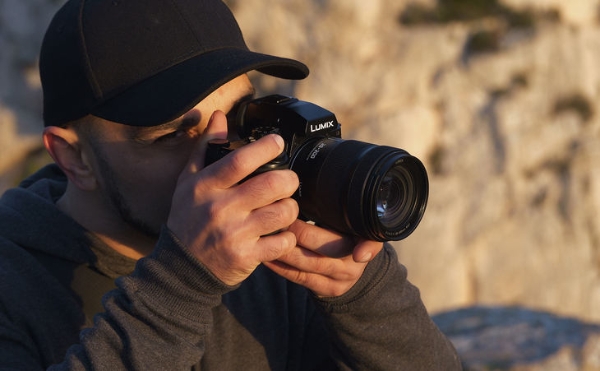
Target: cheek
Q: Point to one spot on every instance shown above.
(156, 178)
(149, 181)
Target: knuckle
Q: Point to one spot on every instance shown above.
(277, 245)
(277, 248)
(292, 181)
(271, 181)
(306, 237)
(238, 163)
(284, 182)
(288, 211)
(293, 209)
(275, 218)
(268, 185)
(270, 219)
(301, 278)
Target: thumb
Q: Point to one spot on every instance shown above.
(215, 129)
(364, 251)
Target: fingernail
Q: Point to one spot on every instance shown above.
(280, 141)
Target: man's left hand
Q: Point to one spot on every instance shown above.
(324, 261)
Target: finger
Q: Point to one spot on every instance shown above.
(334, 244)
(331, 282)
(265, 189)
(272, 247)
(324, 241)
(215, 129)
(293, 274)
(233, 266)
(274, 217)
(243, 161)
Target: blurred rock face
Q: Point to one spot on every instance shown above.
(22, 25)
(519, 339)
(500, 104)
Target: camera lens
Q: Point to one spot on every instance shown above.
(376, 192)
(396, 194)
(393, 196)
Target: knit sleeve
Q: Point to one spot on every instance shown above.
(382, 324)
(157, 319)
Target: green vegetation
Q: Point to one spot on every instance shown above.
(486, 40)
(465, 10)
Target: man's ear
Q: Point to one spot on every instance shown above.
(65, 147)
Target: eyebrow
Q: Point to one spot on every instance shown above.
(139, 133)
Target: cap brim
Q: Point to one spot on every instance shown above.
(174, 91)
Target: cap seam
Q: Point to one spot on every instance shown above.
(89, 71)
(115, 92)
(184, 58)
(187, 23)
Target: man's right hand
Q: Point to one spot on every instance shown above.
(226, 224)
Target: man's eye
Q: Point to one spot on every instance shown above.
(173, 136)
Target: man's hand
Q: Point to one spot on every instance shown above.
(223, 222)
(326, 262)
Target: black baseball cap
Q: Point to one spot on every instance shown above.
(144, 62)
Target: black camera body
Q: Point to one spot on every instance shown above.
(375, 192)
(296, 121)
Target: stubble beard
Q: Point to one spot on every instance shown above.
(119, 203)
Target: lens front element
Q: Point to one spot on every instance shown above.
(400, 189)
(395, 192)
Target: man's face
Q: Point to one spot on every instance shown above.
(137, 168)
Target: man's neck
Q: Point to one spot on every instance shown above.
(91, 212)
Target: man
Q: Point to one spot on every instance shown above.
(133, 90)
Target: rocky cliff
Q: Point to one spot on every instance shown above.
(501, 106)
(499, 99)
(500, 102)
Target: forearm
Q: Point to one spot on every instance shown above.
(157, 318)
(382, 324)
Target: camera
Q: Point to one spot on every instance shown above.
(375, 192)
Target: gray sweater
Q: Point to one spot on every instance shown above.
(170, 313)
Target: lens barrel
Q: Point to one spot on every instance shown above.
(376, 192)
